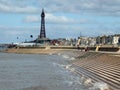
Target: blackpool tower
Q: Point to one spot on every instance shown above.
(42, 29)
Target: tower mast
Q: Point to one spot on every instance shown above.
(42, 31)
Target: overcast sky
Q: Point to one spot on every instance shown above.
(64, 18)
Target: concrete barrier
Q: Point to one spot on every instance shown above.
(110, 49)
(94, 48)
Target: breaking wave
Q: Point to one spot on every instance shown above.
(68, 57)
(65, 56)
(100, 86)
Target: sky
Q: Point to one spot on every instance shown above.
(63, 18)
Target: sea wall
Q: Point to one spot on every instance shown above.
(99, 67)
(110, 49)
(54, 49)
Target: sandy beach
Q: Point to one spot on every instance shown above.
(32, 51)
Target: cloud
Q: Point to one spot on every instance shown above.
(53, 19)
(9, 7)
(31, 18)
(96, 7)
(99, 7)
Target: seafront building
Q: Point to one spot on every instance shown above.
(86, 41)
(113, 40)
(108, 40)
(116, 39)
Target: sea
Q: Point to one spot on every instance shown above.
(37, 72)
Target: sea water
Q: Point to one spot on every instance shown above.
(37, 72)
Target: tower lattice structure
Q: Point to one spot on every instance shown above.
(42, 31)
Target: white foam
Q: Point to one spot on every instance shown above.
(72, 58)
(63, 66)
(82, 79)
(59, 65)
(88, 82)
(67, 66)
(100, 86)
(65, 56)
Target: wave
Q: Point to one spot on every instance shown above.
(100, 86)
(65, 56)
(68, 57)
(72, 58)
(73, 82)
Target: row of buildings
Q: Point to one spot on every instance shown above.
(100, 40)
(109, 40)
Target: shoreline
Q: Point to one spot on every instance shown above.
(97, 66)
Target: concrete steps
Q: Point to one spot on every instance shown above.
(96, 78)
(106, 70)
